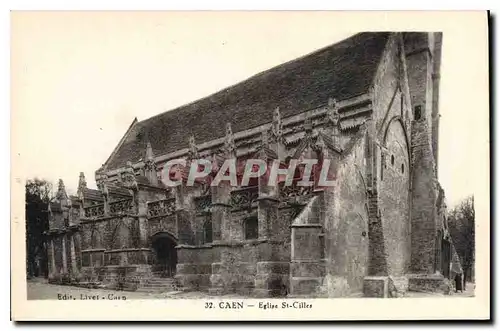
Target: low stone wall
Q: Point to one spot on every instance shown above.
(127, 278)
(194, 267)
(428, 283)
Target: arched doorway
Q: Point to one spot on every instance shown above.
(164, 254)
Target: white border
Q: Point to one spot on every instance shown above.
(145, 5)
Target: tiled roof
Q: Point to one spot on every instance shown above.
(116, 190)
(94, 195)
(340, 71)
(330, 142)
(55, 207)
(141, 179)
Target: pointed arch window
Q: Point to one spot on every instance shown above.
(207, 230)
(251, 227)
(417, 113)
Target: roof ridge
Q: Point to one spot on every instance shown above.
(261, 73)
(340, 70)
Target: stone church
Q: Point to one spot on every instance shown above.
(368, 103)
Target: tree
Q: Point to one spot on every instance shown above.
(38, 196)
(461, 222)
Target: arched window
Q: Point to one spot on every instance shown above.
(418, 113)
(251, 226)
(383, 166)
(392, 159)
(207, 231)
(402, 168)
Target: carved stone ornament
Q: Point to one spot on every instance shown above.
(277, 126)
(128, 177)
(82, 185)
(101, 178)
(320, 144)
(149, 163)
(193, 149)
(229, 144)
(333, 116)
(61, 194)
(308, 127)
(264, 139)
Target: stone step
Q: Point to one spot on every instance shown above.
(146, 286)
(160, 282)
(157, 284)
(158, 289)
(155, 290)
(162, 279)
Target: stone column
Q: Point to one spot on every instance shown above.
(419, 57)
(307, 266)
(307, 255)
(106, 203)
(64, 256)
(187, 257)
(123, 258)
(143, 224)
(140, 201)
(74, 266)
(187, 254)
(273, 267)
(221, 219)
(52, 264)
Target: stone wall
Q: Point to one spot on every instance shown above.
(423, 177)
(64, 259)
(194, 266)
(391, 199)
(346, 224)
(386, 84)
(56, 221)
(394, 204)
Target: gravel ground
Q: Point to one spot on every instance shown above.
(39, 289)
(469, 292)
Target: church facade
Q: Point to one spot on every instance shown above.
(369, 104)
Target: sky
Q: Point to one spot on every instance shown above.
(79, 80)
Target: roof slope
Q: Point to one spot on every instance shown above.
(341, 71)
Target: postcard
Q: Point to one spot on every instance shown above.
(185, 166)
